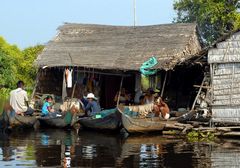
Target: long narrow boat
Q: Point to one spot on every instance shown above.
(65, 121)
(11, 120)
(141, 125)
(109, 120)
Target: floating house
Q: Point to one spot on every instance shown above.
(101, 55)
(224, 60)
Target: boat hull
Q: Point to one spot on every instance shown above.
(138, 125)
(11, 120)
(142, 125)
(57, 122)
(110, 122)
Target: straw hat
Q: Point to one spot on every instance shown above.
(91, 96)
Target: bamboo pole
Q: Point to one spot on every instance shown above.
(74, 87)
(164, 83)
(35, 86)
(199, 91)
(73, 91)
(119, 93)
(204, 87)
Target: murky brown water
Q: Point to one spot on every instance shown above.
(56, 148)
(59, 148)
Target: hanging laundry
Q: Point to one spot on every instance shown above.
(69, 77)
(64, 91)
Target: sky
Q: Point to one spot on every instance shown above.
(30, 22)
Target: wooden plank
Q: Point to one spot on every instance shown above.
(221, 58)
(225, 113)
(226, 86)
(204, 87)
(232, 44)
(225, 81)
(199, 91)
(225, 103)
(225, 120)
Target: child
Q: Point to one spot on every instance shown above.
(47, 108)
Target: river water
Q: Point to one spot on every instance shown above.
(56, 148)
(65, 148)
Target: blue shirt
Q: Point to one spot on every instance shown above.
(45, 108)
(93, 108)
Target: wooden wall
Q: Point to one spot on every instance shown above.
(224, 61)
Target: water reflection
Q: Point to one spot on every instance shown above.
(58, 148)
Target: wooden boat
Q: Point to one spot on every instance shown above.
(10, 120)
(58, 121)
(110, 121)
(142, 125)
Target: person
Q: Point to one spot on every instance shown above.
(19, 100)
(162, 108)
(149, 96)
(47, 109)
(141, 100)
(92, 106)
(124, 97)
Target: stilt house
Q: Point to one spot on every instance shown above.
(108, 52)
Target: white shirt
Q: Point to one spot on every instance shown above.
(69, 78)
(18, 98)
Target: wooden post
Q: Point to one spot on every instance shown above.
(119, 94)
(72, 94)
(164, 83)
(232, 78)
(199, 91)
(74, 87)
(35, 86)
(211, 82)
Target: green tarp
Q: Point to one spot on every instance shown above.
(146, 68)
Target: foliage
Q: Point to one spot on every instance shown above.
(16, 65)
(7, 71)
(8, 61)
(214, 17)
(196, 136)
(27, 67)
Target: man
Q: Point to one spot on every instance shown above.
(19, 100)
(92, 105)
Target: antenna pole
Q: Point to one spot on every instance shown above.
(134, 10)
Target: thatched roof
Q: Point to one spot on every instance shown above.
(120, 47)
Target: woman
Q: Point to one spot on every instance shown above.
(149, 96)
(124, 97)
(161, 109)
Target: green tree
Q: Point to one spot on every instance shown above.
(27, 67)
(8, 61)
(16, 65)
(214, 17)
(7, 71)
